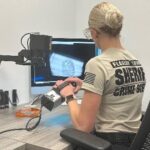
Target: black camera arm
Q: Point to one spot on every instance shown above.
(24, 58)
(21, 59)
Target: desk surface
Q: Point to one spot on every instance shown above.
(44, 137)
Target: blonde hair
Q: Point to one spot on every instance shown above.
(106, 18)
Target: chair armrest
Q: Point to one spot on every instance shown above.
(85, 140)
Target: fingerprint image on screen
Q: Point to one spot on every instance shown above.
(65, 66)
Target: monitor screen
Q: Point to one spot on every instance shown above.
(67, 58)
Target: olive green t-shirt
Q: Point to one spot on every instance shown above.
(119, 78)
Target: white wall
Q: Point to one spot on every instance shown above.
(51, 17)
(135, 33)
(83, 8)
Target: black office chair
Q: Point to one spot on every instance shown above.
(87, 141)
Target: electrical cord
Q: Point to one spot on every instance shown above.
(12, 130)
(36, 99)
(21, 41)
(28, 43)
(28, 40)
(27, 127)
(36, 124)
(27, 47)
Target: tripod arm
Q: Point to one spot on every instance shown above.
(17, 59)
(24, 58)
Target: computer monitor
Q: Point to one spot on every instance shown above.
(67, 58)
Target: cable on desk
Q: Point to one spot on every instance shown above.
(36, 124)
(12, 130)
(27, 128)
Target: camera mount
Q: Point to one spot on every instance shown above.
(34, 54)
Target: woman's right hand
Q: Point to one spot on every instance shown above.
(75, 80)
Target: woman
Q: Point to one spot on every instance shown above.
(113, 85)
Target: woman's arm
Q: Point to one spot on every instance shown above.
(83, 116)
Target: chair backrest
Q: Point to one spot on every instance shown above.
(142, 139)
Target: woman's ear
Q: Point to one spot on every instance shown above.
(94, 34)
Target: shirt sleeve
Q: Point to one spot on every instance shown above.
(94, 77)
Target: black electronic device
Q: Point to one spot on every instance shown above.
(67, 58)
(4, 99)
(7, 99)
(40, 46)
(14, 97)
(1, 99)
(53, 98)
(34, 54)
